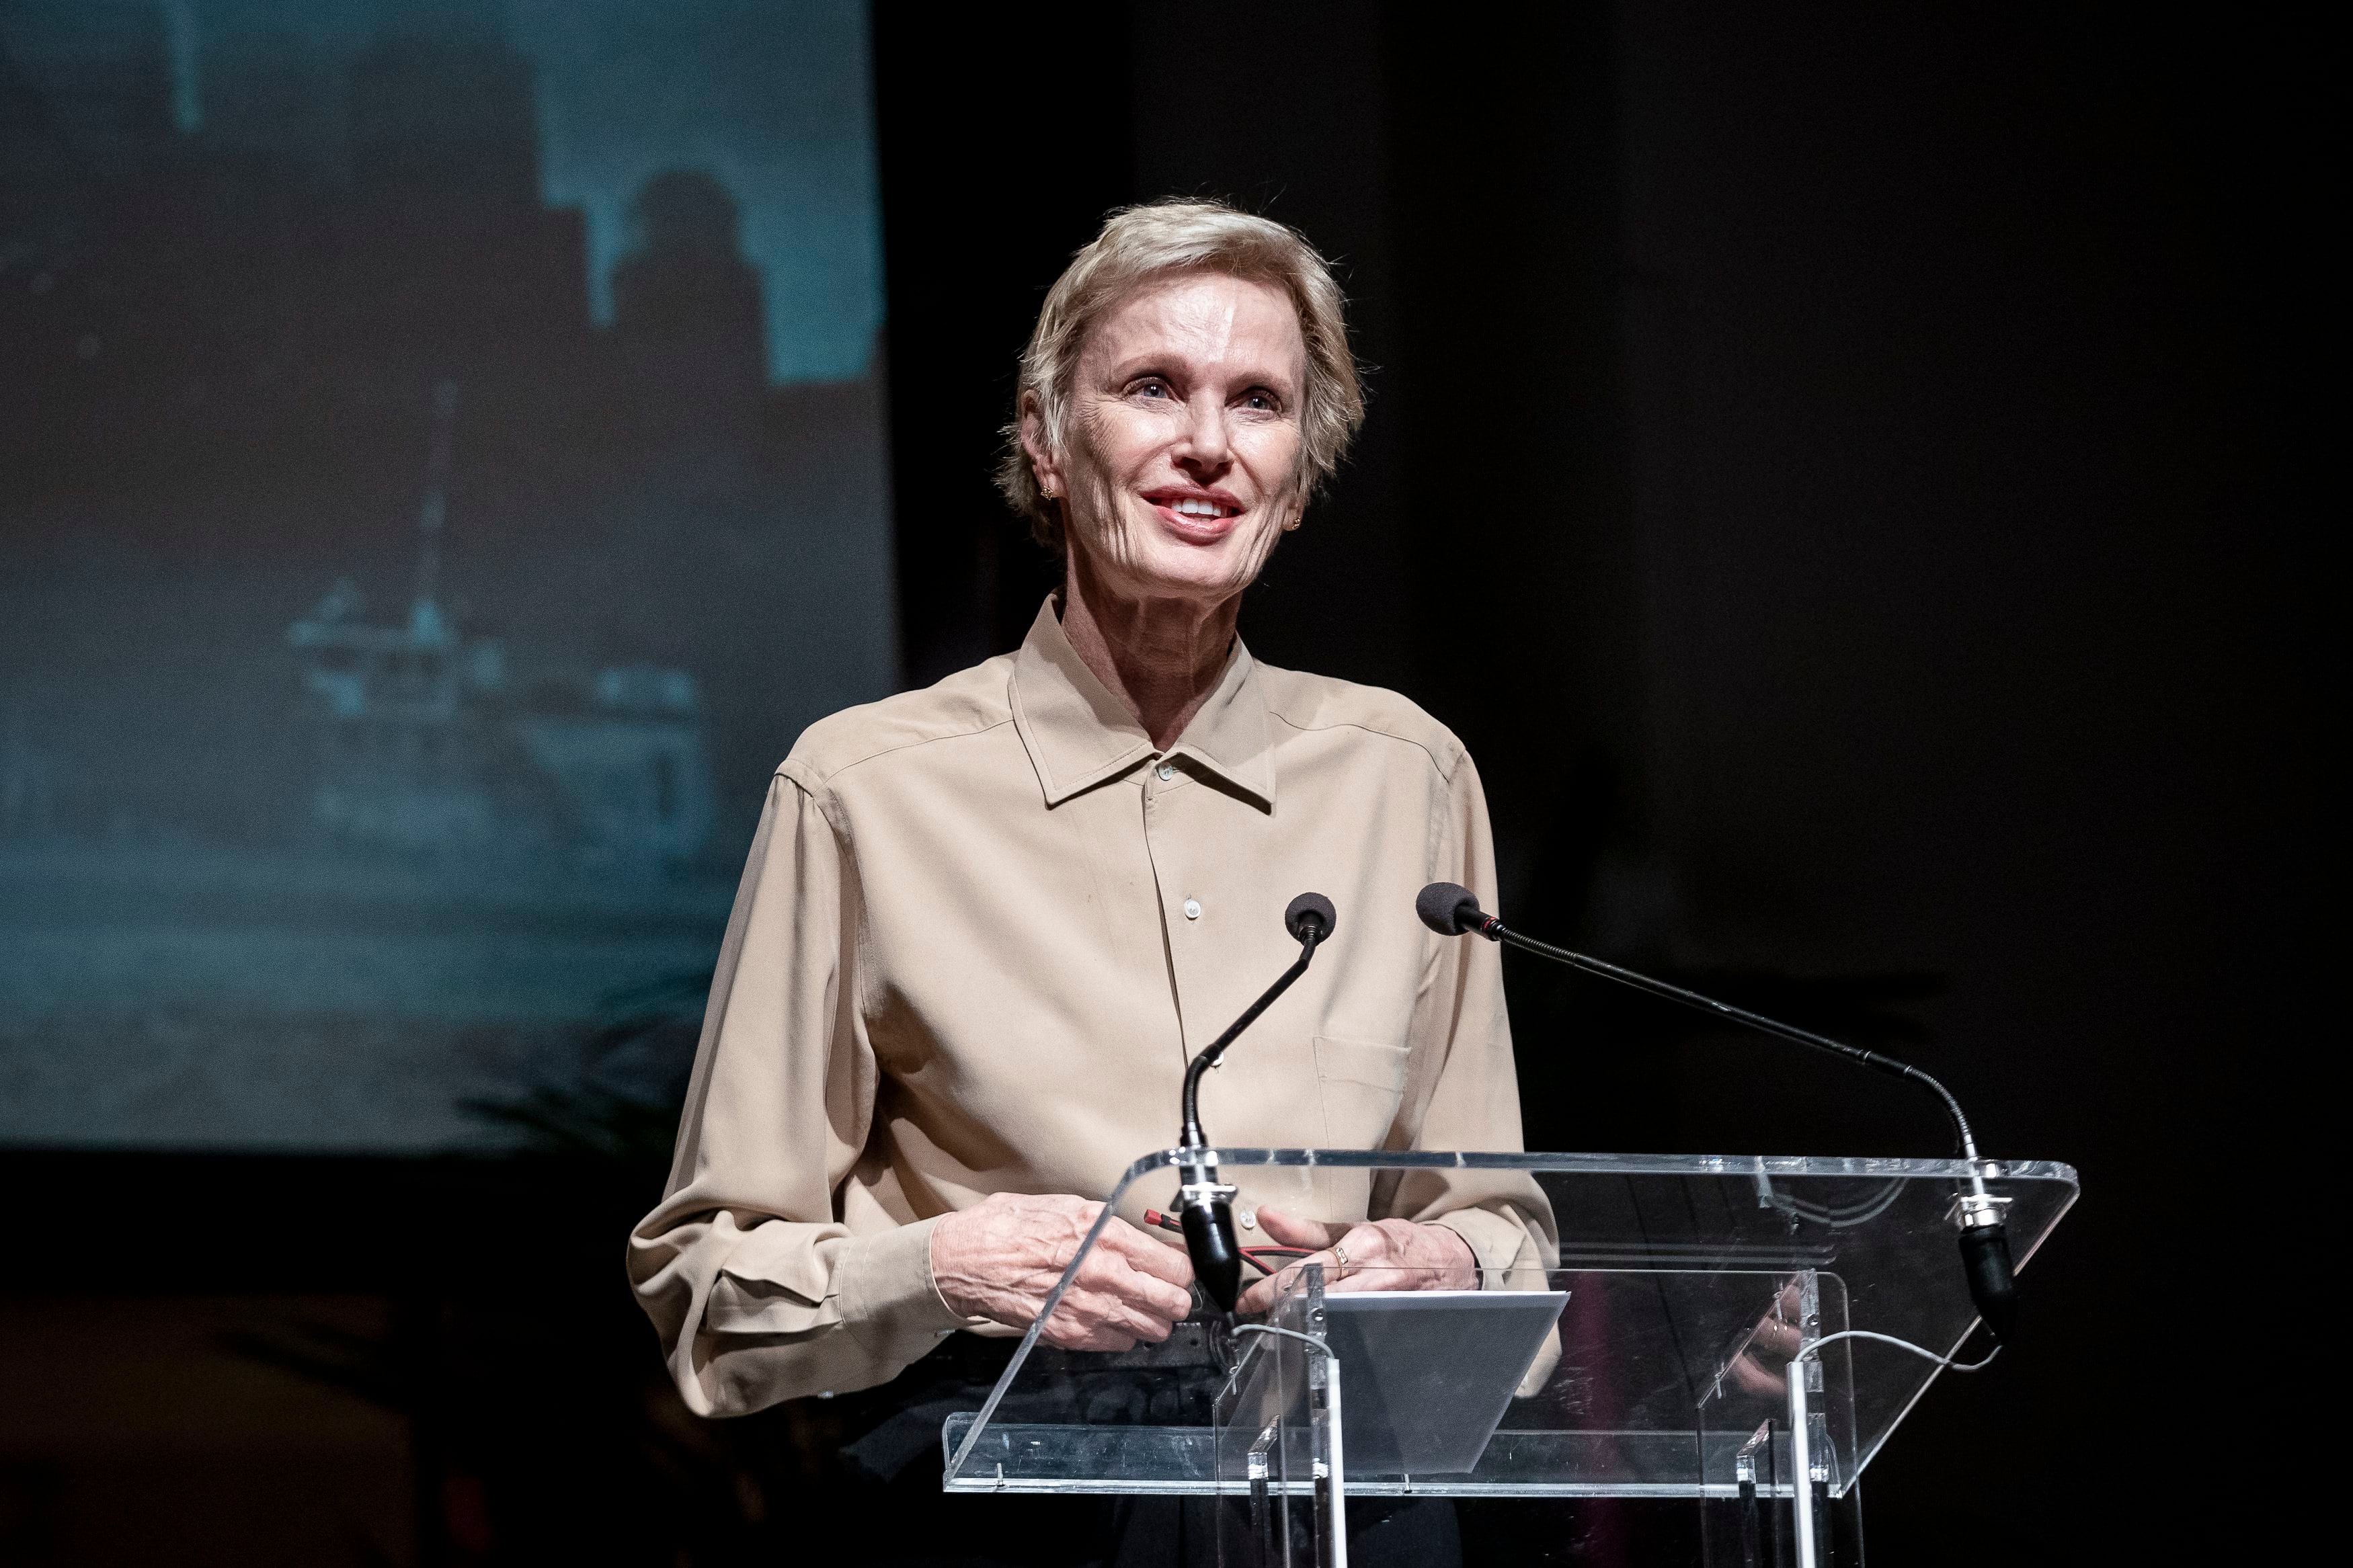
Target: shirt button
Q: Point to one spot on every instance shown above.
(1192, 909)
(1165, 770)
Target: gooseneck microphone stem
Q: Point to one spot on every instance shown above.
(1452, 909)
(1208, 1059)
(1496, 931)
(1204, 1203)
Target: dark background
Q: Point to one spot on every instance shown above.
(1841, 469)
(1843, 474)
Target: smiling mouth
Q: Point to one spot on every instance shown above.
(1193, 507)
(1200, 520)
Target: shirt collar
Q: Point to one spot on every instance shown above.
(1079, 735)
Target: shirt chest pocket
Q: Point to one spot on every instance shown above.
(1361, 1082)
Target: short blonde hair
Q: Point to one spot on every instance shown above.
(1139, 244)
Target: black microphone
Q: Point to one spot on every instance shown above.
(1453, 910)
(1205, 1207)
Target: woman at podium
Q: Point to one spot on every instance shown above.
(984, 926)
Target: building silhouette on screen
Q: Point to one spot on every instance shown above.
(325, 241)
(686, 313)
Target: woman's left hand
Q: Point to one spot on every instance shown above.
(1381, 1254)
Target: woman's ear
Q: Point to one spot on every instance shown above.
(1043, 463)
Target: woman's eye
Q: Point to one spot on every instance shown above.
(1259, 402)
(1151, 389)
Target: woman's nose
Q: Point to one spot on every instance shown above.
(1205, 439)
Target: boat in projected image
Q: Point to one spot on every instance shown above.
(492, 845)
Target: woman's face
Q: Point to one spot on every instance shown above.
(1183, 461)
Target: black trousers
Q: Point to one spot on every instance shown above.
(895, 1515)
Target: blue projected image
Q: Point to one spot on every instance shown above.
(446, 470)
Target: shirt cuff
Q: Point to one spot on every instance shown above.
(1499, 1243)
(890, 1303)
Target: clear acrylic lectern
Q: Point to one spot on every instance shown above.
(1679, 1357)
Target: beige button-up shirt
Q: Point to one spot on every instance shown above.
(983, 928)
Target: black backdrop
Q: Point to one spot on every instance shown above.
(1865, 448)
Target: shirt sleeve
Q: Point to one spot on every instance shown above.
(769, 1273)
(1462, 1042)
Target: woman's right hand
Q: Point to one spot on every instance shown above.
(999, 1258)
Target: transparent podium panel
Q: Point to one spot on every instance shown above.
(1596, 1326)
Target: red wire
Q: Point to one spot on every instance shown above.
(1254, 1256)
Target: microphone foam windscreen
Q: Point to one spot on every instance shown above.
(1449, 909)
(1309, 907)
